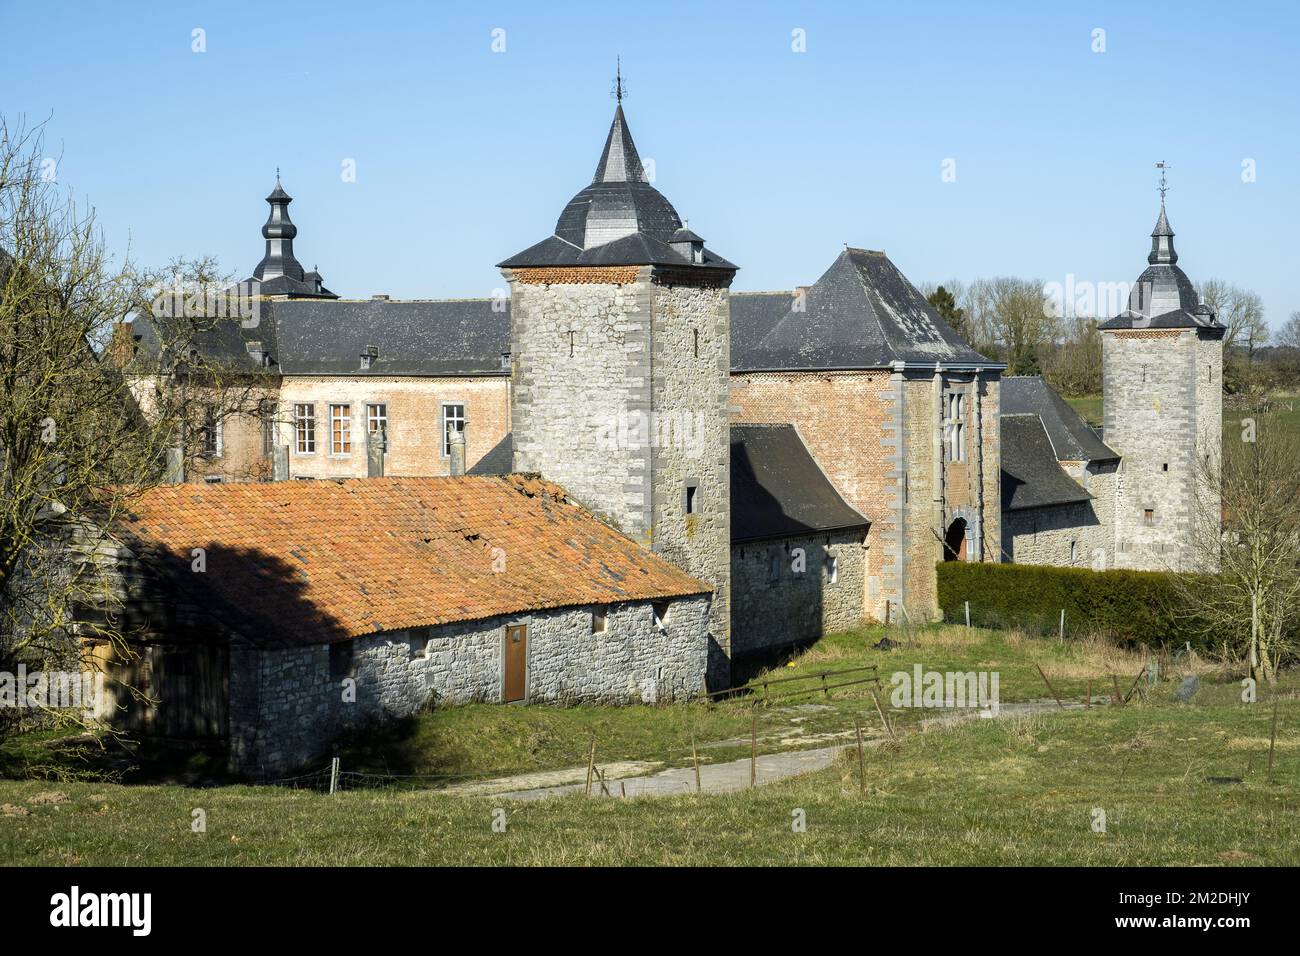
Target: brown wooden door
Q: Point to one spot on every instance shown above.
(516, 662)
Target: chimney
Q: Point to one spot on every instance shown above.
(375, 454)
(380, 297)
(175, 473)
(457, 452)
(280, 463)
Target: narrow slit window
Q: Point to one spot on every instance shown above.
(692, 499)
(599, 620)
(1148, 517)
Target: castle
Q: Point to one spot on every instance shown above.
(808, 456)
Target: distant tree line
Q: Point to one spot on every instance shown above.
(1015, 321)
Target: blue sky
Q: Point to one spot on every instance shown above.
(464, 156)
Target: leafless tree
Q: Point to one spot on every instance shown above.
(1289, 333)
(77, 443)
(1244, 591)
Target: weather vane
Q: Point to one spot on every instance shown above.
(1164, 185)
(619, 92)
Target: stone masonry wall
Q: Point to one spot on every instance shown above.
(286, 708)
(1150, 413)
(800, 604)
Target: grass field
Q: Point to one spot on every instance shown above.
(1017, 790)
(1285, 413)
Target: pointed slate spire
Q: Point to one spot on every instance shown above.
(1162, 241)
(279, 232)
(619, 163)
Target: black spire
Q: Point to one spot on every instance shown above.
(1162, 241)
(279, 232)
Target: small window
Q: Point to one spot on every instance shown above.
(1164, 466)
(599, 620)
(340, 429)
(1148, 517)
(697, 342)
(453, 419)
(266, 411)
(377, 424)
(692, 499)
(833, 568)
(304, 429)
(210, 434)
(661, 614)
(774, 562)
(419, 642)
(341, 660)
(955, 426)
(1074, 551)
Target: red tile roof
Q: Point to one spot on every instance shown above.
(306, 562)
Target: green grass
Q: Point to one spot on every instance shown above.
(1022, 791)
(1285, 413)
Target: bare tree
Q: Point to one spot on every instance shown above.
(1014, 317)
(1289, 334)
(1245, 589)
(77, 445)
(1241, 310)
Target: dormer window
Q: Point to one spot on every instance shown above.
(368, 357)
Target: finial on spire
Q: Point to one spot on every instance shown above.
(1164, 183)
(619, 92)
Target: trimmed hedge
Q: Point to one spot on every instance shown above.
(1132, 605)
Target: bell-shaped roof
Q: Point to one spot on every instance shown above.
(1163, 296)
(280, 272)
(620, 219)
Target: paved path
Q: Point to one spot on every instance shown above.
(623, 779)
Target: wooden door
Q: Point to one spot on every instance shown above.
(516, 663)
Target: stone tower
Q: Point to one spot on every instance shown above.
(620, 338)
(1162, 366)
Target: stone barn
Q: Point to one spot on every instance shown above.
(272, 617)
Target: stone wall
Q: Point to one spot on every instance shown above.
(1060, 535)
(1155, 386)
(802, 602)
(286, 708)
(620, 395)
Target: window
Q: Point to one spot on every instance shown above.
(304, 429)
(599, 619)
(692, 498)
(419, 642)
(1074, 551)
(833, 568)
(1164, 466)
(661, 614)
(453, 418)
(341, 660)
(1148, 517)
(774, 562)
(956, 426)
(210, 434)
(377, 424)
(266, 409)
(340, 429)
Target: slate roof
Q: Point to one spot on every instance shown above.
(430, 337)
(620, 219)
(778, 489)
(328, 336)
(1031, 476)
(500, 459)
(308, 562)
(1163, 297)
(1071, 437)
(862, 313)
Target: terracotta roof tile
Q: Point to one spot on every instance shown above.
(311, 561)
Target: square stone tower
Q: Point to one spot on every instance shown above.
(1162, 367)
(620, 346)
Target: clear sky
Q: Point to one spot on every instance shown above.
(464, 155)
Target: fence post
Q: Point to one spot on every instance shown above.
(334, 776)
(753, 746)
(862, 767)
(695, 758)
(591, 762)
(968, 615)
(1050, 689)
(1061, 632)
(1272, 742)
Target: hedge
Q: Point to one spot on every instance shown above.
(1135, 606)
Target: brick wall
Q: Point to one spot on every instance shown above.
(414, 421)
